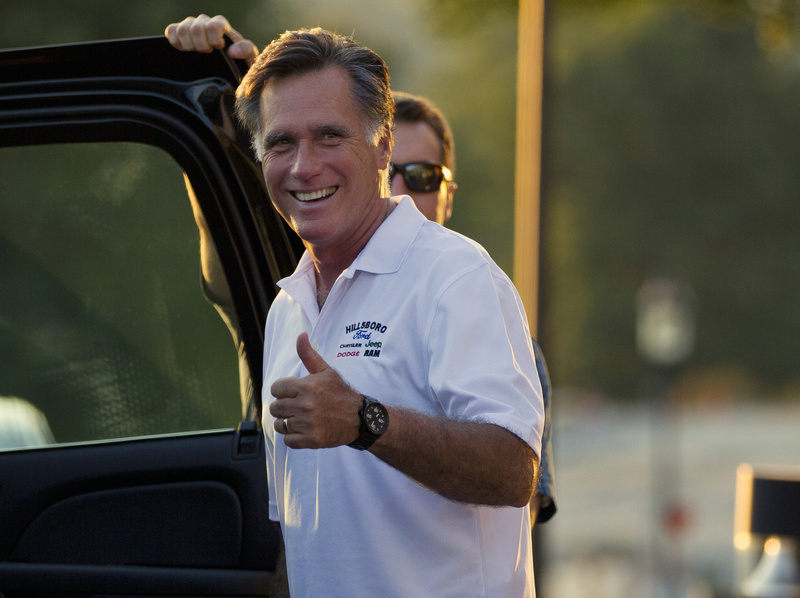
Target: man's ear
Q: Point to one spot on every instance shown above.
(448, 208)
(385, 143)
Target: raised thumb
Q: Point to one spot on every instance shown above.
(310, 358)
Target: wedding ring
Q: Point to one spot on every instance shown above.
(285, 425)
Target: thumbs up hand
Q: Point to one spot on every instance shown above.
(308, 355)
(319, 410)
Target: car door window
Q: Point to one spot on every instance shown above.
(104, 328)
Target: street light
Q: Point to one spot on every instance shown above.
(665, 332)
(665, 323)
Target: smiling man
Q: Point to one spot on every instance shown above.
(322, 168)
(405, 412)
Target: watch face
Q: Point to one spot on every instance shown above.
(376, 418)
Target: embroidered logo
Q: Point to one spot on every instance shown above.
(363, 331)
(377, 326)
(375, 350)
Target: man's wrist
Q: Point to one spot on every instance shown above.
(373, 422)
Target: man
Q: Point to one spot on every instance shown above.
(377, 307)
(423, 166)
(423, 143)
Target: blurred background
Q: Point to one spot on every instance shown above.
(670, 291)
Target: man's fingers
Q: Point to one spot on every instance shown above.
(310, 358)
(197, 34)
(206, 34)
(171, 33)
(243, 49)
(184, 37)
(281, 425)
(281, 410)
(214, 31)
(234, 35)
(240, 49)
(285, 388)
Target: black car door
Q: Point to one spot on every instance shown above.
(126, 467)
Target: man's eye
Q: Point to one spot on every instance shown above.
(277, 144)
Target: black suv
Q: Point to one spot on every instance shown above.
(126, 467)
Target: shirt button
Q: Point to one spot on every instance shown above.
(315, 346)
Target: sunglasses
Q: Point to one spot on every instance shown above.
(419, 176)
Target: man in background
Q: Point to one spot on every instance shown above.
(423, 166)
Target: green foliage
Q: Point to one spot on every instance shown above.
(479, 99)
(671, 150)
(459, 17)
(44, 22)
(670, 130)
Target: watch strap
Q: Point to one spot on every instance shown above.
(366, 437)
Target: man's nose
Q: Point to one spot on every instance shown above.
(307, 161)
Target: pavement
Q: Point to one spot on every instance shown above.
(646, 495)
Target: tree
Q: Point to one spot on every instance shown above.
(43, 22)
(672, 146)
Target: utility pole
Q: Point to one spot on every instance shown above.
(528, 177)
(530, 70)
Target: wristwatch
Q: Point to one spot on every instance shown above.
(374, 422)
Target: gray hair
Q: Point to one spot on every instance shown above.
(307, 50)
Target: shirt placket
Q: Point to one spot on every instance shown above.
(320, 333)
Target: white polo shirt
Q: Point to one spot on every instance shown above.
(423, 319)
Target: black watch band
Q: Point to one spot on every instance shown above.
(374, 422)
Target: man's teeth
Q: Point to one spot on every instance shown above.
(315, 194)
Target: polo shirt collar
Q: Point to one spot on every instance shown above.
(383, 253)
(386, 249)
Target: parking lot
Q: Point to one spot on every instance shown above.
(619, 465)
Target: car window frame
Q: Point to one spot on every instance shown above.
(183, 106)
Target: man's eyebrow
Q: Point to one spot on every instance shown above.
(340, 130)
(274, 137)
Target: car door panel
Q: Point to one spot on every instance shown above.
(88, 516)
(109, 507)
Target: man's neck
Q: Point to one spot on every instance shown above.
(323, 287)
(328, 265)
(330, 262)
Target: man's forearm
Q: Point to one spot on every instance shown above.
(212, 270)
(210, 264)
(469, 462)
